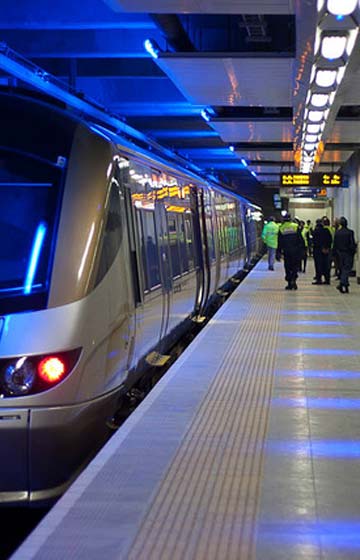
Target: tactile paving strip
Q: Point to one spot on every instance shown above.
(206, 506)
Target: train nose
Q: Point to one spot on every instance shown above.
(14, 447)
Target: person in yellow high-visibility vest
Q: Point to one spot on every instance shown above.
(291, 244)
(269, 236)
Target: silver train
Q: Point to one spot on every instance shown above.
(107, 253)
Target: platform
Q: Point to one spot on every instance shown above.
(248, 448)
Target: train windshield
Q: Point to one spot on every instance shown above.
(29, 200)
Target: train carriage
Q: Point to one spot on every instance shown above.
(108, 252)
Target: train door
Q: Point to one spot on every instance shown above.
(165, 265)
(203, 272)
(145, 260)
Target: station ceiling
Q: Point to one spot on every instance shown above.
(246, 63)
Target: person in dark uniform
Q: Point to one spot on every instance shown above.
(345, 247)
(322, 242)
(291, 244)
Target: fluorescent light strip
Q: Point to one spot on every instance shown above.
(34, 257)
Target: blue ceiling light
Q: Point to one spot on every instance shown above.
(152, 48)
(253, 173)
(205, 115)
(232, 148)
(244, 162)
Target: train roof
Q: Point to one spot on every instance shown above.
(43, 114)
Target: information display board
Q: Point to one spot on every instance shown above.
(311, 180)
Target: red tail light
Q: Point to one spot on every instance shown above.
(28, 375)
(51, 369)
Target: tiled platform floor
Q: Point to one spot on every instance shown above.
(249, 448)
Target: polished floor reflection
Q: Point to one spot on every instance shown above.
(248, 449)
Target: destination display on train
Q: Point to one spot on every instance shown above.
(311, 179)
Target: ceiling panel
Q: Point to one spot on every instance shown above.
(231, 81)
(336, 156)
(205, 6)
(267, 155)
(268, 178)
(268, 169)
(325, 167)
(345, 131)
(236, 131)
(351, 88)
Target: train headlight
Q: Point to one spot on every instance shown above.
(19, 377)
(28, 375)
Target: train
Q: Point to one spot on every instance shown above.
(109, 251)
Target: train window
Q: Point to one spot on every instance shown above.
(29, 195)
(189, 239)
(149, 248)
(112, 234)
(174, 246)
(182, 244)
(210, 237)
(222, 236)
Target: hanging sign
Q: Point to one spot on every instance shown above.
(311, 179)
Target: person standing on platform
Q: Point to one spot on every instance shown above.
(345, 247)
(309, 233)
(304, 234)
(291, 245)
(322, 242)
(327, 263)
(270, 238)
(335, 257)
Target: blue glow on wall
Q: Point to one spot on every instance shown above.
(34, 257)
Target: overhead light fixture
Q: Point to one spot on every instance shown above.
(313, 128)
(253, 173)
(319, 99)
(205, 115)
(244, 162)
(306, 168)
(333, 47)
(325, 78)
(232, 148)
(311, 138)
(152, 48)
(341, 8)
(316, 116)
